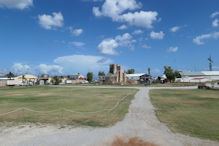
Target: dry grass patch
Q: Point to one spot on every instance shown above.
(135, 141)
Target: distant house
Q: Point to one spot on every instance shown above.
(75, 79)
(196, 77)
(134, 76)
(3, 81)
(141, 78)
(44, 79)
(27, 79)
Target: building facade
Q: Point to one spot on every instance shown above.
(116, 75)
(198, 77)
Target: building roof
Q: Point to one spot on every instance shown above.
(26, 77)
(191, 73)
(201, 73)
(135, 75)
(212, 73)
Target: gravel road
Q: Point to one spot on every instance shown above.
(139, 121)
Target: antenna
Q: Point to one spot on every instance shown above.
(210, 63)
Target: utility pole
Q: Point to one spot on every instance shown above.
(210, 63)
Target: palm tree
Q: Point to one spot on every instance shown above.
(10, 75)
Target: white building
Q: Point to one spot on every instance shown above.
(135, 77)
(198, 77)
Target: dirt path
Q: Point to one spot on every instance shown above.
(139, 121)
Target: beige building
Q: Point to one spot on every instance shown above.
(116, 75)
(27, 79)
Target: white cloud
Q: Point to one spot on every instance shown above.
(49, 69)
(51, 21)
(125, 40)
(136, 32)
(174, 29)
(76, 32)
(122, 27)
(77, 44)
(214, 14)
(199, 39)
(173, 49)
(115, 9)
(141, 19)
(215, 23)
(19, 68)
(108, 46)
(16, 4)
(157, 35)
(82, 63)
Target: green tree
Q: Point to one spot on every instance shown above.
(89, 76)
(101, 73)
(56, 80)
(131, 71)
(170, 74)
(10, 75)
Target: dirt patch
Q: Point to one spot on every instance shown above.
(135, 141)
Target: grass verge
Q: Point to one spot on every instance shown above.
(192, 112)
(82, 100)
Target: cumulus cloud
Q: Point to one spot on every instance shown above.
(173, 49)
(49, 69)
(76, 32)
(174, 29)
(83, 63)
(157, 35)
(136, 32)
(125, 40)
(66, 65)
(215, 23)
(199, 40)
(16, 4)
(77, 44)
(214, 14)
(115, 9)
(108, 46)
(19, 68)
(51, 21)
(122, 27)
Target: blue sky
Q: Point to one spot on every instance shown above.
(71, 36)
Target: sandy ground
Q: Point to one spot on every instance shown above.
(139, 121)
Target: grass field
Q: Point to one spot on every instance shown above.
(56, 98)
(192, 112)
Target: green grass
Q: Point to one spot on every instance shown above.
(54, 98)
(191, 112)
